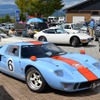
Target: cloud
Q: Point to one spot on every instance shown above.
(2, 2)
(69, 3)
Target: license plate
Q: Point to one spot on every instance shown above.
(95, 84)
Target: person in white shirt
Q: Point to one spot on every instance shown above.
(30, 32)
(11, 32)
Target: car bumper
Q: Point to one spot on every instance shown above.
(72, 87)
(86, 40)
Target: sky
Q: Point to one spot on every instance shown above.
(7, 9)
(66, 2)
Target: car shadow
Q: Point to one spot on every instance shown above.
(48, 90)
(81, 93)
(88, 46)
(4, 95)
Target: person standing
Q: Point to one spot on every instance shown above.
(30, 32)
(11, 32)
(85, 23)
(91, 27)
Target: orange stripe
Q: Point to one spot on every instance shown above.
(36, 42)
(84, 71)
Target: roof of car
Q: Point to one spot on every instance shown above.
(68, 23)
(28, 43)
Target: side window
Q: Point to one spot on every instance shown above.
(13, 50)
(58, 31)
(67, 27)
(50, 31)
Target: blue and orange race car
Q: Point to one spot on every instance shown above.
(41, 64)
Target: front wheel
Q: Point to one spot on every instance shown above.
(74, 41)
(35, 81)
(42, 38)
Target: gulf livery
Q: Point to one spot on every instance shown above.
(41, 64)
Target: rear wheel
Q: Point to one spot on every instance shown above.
(35, 80)
(74, 41)
(42, 38)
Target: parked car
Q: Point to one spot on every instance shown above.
(3, 34)
(97, 32)
(74, 28)
(59, 36)
(40, 64)
(9, 25)
(84, 29)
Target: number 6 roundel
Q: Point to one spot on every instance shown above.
(10, 65)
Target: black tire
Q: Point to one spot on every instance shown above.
(95, 38)
(35, 80)
(75, 41)
(42, 38)
(85, 44)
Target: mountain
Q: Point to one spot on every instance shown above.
(8, 9)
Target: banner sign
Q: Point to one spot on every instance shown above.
(17, 15)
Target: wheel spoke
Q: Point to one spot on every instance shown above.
(34, 75)
(32, 78)
(38, 76)
(36, 84)
(40, 82)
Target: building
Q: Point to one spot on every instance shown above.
(83, 11)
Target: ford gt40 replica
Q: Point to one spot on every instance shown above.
(60, 36)
(42, 63)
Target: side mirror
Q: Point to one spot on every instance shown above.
(33, 58)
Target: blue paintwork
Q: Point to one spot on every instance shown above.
(47, 66)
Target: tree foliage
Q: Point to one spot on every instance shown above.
(6, 18)
(44, 7)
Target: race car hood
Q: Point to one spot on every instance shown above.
(85, 60)
(79, 64)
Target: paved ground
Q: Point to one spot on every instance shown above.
(13, 89)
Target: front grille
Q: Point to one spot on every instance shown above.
(84, 85)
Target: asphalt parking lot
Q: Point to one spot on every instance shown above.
(13, 89)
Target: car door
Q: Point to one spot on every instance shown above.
(62, 36)
(50, 35)
(10, 62)
(56, 35)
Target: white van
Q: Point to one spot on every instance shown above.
(52, 19)
(9, 26)
(61, 19)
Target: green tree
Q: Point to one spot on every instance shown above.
(44, 7)
(7, 18)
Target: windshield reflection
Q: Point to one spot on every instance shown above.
(44, 50)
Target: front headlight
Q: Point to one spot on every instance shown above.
(59, 73)
(96, 64)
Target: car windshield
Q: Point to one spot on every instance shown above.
(75, 27)
(44, 50)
